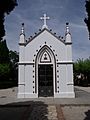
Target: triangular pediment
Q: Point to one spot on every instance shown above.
(41, 31)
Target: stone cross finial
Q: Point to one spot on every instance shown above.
(45, 18)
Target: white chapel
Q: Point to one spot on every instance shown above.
(45, 64)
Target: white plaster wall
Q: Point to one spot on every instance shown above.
(63, 54)
(21, 81)
(69, 52)
(68, 38)
(29, 80)
(62, 78)
(40, 40)
(22, 39)
(69, 78)
(21, 53)
(66, 89)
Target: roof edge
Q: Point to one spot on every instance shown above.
(43, 31)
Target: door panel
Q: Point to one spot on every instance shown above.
(45, 80)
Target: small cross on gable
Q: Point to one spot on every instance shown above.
(45, 18)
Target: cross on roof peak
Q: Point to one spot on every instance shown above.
(45, 18)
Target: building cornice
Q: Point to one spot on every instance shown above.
(31, 63)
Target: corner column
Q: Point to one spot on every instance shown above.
(69, 67)
(21, 67)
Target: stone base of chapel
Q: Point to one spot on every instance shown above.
(27, 95)
(61, 95)
(65, 95)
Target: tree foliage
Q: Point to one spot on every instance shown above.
(4, 71)
(82, 67)
(14, 58)
(87, 19)
(13, 55)
(6, 6)
(4, 52)
(8, 66)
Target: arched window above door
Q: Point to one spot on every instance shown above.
(45, 55)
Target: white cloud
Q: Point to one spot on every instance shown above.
(78, 26)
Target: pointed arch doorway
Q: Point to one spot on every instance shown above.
(45, 72)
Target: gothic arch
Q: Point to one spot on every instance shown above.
(45, 56)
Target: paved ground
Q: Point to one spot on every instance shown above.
(76, 112)
(82, 97)
(45, 108)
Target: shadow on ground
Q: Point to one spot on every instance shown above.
(87, 115)
(24, 111)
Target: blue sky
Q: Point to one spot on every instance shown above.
(60, 12)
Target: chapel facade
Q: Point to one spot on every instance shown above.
(45, 64)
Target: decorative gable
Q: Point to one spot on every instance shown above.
(40, 32)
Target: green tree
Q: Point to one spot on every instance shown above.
(8, 66)
(87, 19)
(4, 52)
(4, 72)
(14, 58)
(82, 67)
(6, 6)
